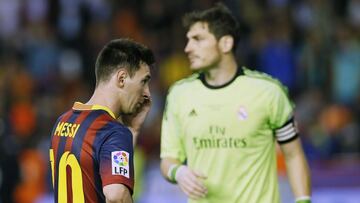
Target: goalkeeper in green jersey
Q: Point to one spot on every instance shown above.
(220, 125)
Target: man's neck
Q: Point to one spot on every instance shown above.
(101, 97)
(222, 73)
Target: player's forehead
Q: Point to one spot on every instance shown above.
(198, 29)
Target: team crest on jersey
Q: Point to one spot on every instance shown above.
(242, 113)
(120, 163)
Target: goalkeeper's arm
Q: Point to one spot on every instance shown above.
(297, 170)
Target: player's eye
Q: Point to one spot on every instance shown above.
(144, 81)
(198, 38)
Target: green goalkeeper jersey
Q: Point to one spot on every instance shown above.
(228, 133)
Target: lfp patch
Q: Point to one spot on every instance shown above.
(120, 163)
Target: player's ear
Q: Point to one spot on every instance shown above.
(121, 76)
(226, 43)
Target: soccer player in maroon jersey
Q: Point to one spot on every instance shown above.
(91, 151)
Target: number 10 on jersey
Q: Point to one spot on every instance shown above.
(68, 160)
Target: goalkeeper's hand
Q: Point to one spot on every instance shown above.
(303, 199)
(191, 182)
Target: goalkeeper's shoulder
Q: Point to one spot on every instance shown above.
(264, 81)
(184, 84)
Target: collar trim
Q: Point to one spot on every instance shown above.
(239, 72)
(81, 106)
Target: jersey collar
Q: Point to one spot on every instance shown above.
(239, 72)
(81, 106)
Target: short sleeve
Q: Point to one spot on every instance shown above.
(282, 116)
(281, 108)
(171, 133)
(116, 159)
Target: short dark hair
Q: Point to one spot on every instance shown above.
(121, 53)
(220, 20)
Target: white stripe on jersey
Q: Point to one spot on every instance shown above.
(292, 129)
(287, 132)
(288, 137)
(290, 125)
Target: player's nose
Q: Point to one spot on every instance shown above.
(188, 48)
(146, 92)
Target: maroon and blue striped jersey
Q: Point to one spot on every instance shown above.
(89, 150)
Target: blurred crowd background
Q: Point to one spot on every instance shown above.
(48, 50)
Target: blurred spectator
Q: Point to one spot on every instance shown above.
(126, 24)
(313, 64)
(37, 10)
(33, 168)
(346, 65)
(277, 57)
(314, 14)
(69, 20)
(173, 68)
(41, 52)
(353, 9)
(9, 18)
